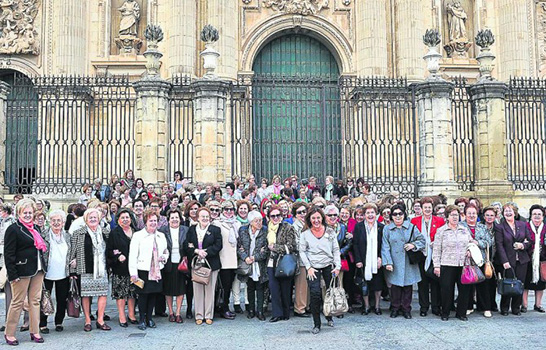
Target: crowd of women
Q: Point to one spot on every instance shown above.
(220, 249)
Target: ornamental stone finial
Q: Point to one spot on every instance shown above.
(209, 34)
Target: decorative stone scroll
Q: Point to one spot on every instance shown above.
(541, 36)
(300, 7)
(18, 31)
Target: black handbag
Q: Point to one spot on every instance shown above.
(286, 265)
(415, 257)
(509, 287)
(361, 282)
(243, 269)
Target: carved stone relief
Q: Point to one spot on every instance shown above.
(301, 7)
(541, 37)
(18, 34)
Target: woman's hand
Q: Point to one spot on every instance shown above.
(359, 265)
(122, 258)
(519, 246)
(506, 265)
(409, 246)
(73, 264)
(311, 274)
(349, 235)
(437, 271)
(389, 268)
(202, 253)
(271, 247)
(248, 261)
(379, 262)
(336, 272)
(134, 279)
(15, 281)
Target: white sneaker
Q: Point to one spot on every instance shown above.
(488, 314)
(468, 312)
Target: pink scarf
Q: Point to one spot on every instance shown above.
(38, 240)
(155, 272)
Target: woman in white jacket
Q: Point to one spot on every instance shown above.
(147, 255)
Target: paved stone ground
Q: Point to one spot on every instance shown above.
(352, 332)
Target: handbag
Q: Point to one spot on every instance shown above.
(543, 271)
(286, 265)
(361, 282)
(219, 294)
(335, 299)
(200, 271)
(488, 269)
(73, 301)
(344, 265)
(415, 257)
(430, 273)
(183, 265)
(471, 273)
(243, 269)
(46, 304)
(509, 287)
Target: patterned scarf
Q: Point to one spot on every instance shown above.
(155, 271)
(99, 258)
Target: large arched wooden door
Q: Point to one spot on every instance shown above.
(296, 109)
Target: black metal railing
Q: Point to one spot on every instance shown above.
(180, 128)
(67, 131)
(525, 110)
(463, 129)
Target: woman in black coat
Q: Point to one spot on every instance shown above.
(513, 243)
(117, 258)
(367, 238)
(204, 242)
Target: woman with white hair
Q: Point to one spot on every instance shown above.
(88, 261)
(58, 245)
(252, 249)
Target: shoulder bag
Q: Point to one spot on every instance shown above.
(360, 282)
(286, 265)
(471, 273)
(243, 269)
(46, 304)
(509, 287)
(335, 299)
(183, 265)
(73, 302)
(200, 271)
(415, 257)
(488, 269)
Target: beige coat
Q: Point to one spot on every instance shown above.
(228, 254)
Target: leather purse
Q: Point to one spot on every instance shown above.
(335, 299)
(360, 282)
(488, 269)
(73, 301)
(471, 273)
(183, 265)
(509, 287)
(415, 257)
(46, 304)
(286, 265)
(243, 269)
(200, 271)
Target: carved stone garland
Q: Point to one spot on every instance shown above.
(300, 7)
(18, 31)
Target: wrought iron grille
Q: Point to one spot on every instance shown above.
(180, 148)
(525, 109)
(375, 119)
(84, 129)
(463, 127)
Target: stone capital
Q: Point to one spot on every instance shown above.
(152, 87)
(210, 88)
(5, 89)
(488, 90)
(434, 89)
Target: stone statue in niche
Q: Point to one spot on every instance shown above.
(17, 31)
(128, 42)
(458, 40)
(130, 16)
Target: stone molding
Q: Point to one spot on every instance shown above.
(488, 90)
(434, 89)
(5, 89)
(300, 7)
(320, 28)
(152, 88)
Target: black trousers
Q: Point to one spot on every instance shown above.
(449, 277)
(514, 302)
(281, 294)
(146, 304)
(483, 294)
(429, 292)
(315, 292)
(189, 294)
(61, 293)
(227, 276)
(349, 283)
(255, 291)
(160, 304)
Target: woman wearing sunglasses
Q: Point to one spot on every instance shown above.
(399, 237)
(281, 239)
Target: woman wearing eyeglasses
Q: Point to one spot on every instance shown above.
(399, 237)
(299, 210)
(229, 227)
(215, 209)
(448, 256)
(281, 239)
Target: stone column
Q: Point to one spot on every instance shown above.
(371, 38)
(210, 129)
(152, 110)
(491, 163)
(516, 46)
(435, 139)
(4, 92)
(182, 37)
(409, 20)
(70, 37)
(224, 15)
